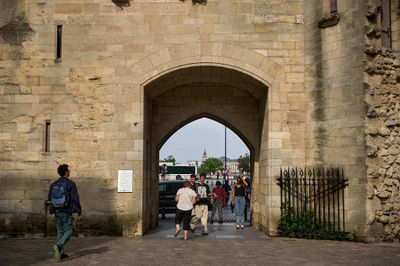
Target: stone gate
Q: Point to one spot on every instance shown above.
(101, 85)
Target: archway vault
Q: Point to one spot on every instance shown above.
(182, 95)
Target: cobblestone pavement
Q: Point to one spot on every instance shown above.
(160, 248)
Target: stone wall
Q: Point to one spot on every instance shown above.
(98, 106)
(335, 97)
(382, 88)
(283, 130)
(89, 130)
(105, 97)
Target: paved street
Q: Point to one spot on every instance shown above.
(227, 215)
(166, 230)
(224, 245)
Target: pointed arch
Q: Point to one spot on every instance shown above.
(213, 117)
(178, 86)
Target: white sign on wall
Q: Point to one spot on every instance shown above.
(125, 180)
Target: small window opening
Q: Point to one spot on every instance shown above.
(59, 41)
(333, 7)
(47, 137)
(386, 24)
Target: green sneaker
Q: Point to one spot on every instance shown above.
(56, 253)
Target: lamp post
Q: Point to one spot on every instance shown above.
(225, 155)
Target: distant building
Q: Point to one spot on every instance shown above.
(196, 163)
(205, 157)
(231, 165)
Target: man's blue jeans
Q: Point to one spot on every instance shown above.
(239, 209)
(65, 225)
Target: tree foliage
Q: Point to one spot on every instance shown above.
(201, 169)
(244, 163)
(170, 158)
(211, 165)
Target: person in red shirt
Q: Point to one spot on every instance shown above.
(219, 201)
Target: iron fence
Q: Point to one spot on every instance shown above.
(312, 203)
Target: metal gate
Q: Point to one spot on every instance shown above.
(312, 203)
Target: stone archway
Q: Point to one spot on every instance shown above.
(206, 65)
(184, 95)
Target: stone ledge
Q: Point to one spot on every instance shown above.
(329, 21)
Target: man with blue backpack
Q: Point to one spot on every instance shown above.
(64, 199)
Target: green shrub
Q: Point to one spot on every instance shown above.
(305, 225)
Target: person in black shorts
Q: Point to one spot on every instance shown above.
(185, 198)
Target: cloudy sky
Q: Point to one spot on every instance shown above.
(189, 142)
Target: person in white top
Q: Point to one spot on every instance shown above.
(185, 198)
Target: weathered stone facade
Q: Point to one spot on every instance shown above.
(382, 86)
(284, 75)
(335, 98)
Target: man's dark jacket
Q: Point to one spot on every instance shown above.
(74, 206)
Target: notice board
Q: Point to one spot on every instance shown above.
(125, 178)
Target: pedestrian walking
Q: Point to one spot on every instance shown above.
(163, 177)
(193, 182)
(238, 201)
(201, 207)
(248, 191)
(64, 199)
(219, 202)
(185, 198)
(227, 188)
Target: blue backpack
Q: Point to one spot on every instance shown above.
(59, 195)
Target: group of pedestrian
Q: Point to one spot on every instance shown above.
(192, 203)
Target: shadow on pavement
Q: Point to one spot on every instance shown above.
(87, 252)
(23, 251)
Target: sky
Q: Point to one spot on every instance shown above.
(189, 142)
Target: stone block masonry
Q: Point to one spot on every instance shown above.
(131, 75)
